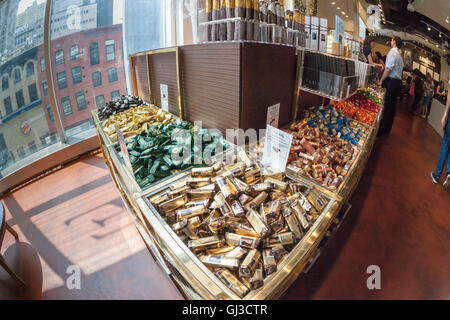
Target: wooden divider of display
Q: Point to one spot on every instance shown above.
(221, 84)
(150, 69)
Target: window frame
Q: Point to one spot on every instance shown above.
(58, 80)
(4, 88)
(79, 94)
(22, 99)
(115, 74)
(9, 104)
(15, 77)
(50, 113)
(108, 44)
(74, 56)
(93, 47)
(81, 75)
(62, 57)
(100, 95)
(36, 98)
(27, 69)
(94, 84)
(64, 99)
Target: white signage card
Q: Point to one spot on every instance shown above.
(273, 115)
(276, 148)
(340, 30)
(164, 97)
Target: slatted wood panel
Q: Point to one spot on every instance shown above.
(268, 77)
(141, 71)
(163, 70)
(211, 84)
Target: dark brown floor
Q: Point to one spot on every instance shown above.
(399, 221)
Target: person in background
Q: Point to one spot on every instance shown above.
(392, 81)
(444, 154)
(428, 95)
(380, 59)
(369, 44)
(411, 92)
(418, 92)
(440, 90)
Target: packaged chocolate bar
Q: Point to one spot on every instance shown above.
(248, 266)
(243, 229)
(270, 264)
(242, 241)
(215, 17)
(206, 243)
(237, 253)
(292, 222)
(223, 25)
(221, 251)
(237, 209)
(256, 202)
(208, 9)
(220, 261)
(257, 280)
(257, 223)
(232, 282)
(191, 212)
(202, 172)
(173, 204)
(230, 9)
(277, 239)
(240, 27)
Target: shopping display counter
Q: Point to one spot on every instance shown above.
(174, 252)
(436, 112)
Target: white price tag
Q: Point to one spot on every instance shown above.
(164, 97)
(273, 115)
(276, 148)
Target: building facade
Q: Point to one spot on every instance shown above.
(88, 71)
(8, 13)
(23, 126)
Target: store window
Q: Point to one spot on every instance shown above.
(50, 113)
(59, 57)
(5, 83)
(42, 63)
(67, 108)
(93, 52)
(17, 76)
(115, 94)
(81, 101)
(100, 101)
(74, 52)
(20, 100)
(112, 74)
(110, 50)
(32, 147)
(8, 105)
(21, 152)
(97, 79)
(76, 75)
(45, 87)
(62, 83)
(32, 91)
(30, 69)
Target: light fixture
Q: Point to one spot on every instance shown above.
(333, 3)
(440, 35)
(428, 27)
(343, 12)
(447, 20)
(339, 8)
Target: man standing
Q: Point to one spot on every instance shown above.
(391, 81)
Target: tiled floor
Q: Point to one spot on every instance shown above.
(399, 221)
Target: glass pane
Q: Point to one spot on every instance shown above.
(27, 126)
(89, 32)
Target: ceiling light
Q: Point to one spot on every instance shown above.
(429, 29)
(339, 8)
(447, 20)
(343, 12)
(333, 3)
(440, 35)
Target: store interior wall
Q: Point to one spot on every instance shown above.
(445, 71)
(326, 10)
